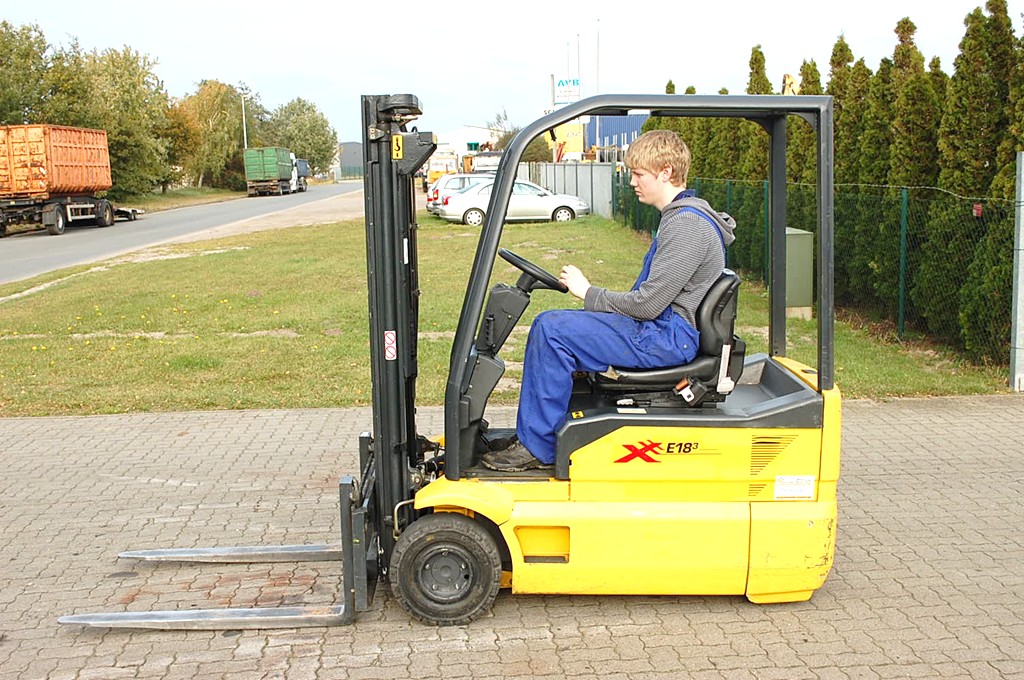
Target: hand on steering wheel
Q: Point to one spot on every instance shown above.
(537, 277)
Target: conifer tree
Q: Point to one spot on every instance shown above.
(848, 86)
(875, 145)
(940, 81)
(694, 133)
(749, 248)
(913, 160)
(802, 157)
(723, 154)
(968, 140)
(985, 304)
(847, 94)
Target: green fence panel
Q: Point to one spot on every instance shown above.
(931, 264)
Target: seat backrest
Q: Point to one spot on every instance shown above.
(716, 315)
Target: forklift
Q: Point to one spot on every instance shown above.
(713, 478)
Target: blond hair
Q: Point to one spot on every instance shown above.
(656, 149)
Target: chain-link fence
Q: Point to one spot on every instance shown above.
(932, 264)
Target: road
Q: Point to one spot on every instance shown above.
(33, 253)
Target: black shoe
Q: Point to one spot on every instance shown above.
(513, 459)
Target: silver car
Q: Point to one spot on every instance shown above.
(528, 202)
(446, 185)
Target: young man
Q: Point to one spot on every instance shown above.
(650, 326)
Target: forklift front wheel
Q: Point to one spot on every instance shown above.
(445, 569)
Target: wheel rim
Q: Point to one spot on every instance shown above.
(563, 215)
(474, 218)
(445, 573)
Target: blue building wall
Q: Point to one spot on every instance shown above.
(616, 131)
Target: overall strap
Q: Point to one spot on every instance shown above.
(701, 213)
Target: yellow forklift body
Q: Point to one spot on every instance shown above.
(671, 511)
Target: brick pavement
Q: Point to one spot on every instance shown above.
(928, 579)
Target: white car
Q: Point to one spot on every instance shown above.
(529, 202)
(446, 185)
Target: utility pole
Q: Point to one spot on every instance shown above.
(245, 133)
(1017, 318)
(597, 90)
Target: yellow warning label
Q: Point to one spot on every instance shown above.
(397, 147)
(577, 414)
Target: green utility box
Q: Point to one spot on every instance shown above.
(799, 273)
(268, 163)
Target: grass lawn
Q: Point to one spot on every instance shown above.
(278, 319)
(178, 198)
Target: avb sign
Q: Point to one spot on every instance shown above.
(567, 90)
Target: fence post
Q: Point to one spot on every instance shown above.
(902, 304)
(615, 195)
(1017, 319)
(728, 209)
(636, 212)
(767, 238)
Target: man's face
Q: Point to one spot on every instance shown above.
(648, 185)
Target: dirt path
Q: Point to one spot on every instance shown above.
(348, 206)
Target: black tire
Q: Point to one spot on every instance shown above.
(563, 214)
(474, 217)
(60, 221)
(104, 213)
(445, 569)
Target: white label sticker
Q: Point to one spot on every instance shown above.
(631, 410)
(795, 487)
(390, 345)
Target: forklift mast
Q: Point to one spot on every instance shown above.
(388, 458)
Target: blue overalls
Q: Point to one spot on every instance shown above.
(567, 340)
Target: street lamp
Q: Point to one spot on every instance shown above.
(245, 135)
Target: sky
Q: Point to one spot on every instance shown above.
(469, 62)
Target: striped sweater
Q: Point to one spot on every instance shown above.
(689, 257)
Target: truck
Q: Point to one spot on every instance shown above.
(486, 161)
(441, 162)
(49, 175)
(274, 170)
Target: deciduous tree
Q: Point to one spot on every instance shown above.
(214, 112)
(301, 127)
(23, 66)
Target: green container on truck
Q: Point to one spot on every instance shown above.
(271, 170)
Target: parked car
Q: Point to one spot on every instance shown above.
(528, 202)
(446, 185)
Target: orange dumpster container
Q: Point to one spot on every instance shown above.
(44, 161)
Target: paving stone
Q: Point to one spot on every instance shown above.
(927, 579)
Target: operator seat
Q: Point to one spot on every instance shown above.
(712, 374)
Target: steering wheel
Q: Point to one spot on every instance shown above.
(538, 278)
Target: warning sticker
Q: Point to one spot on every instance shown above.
(795, 487)
(390, 345)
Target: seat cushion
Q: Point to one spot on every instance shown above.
(703, 368)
